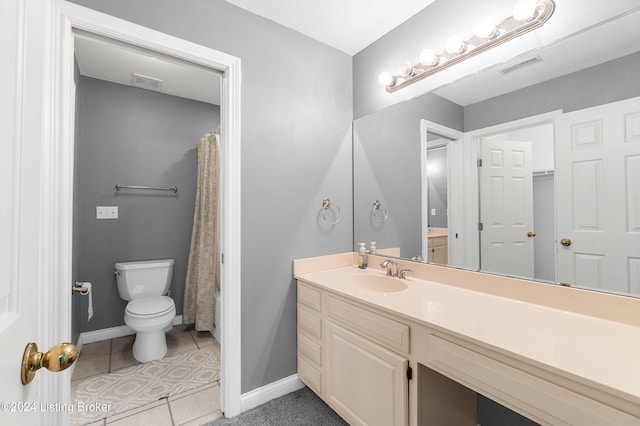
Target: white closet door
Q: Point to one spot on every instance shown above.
(506, 208)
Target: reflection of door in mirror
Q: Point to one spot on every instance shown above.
(598, 157)
(437, 201)
(506, 207)
(516, 183)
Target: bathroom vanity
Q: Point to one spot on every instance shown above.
(416, 351)
(438, 243)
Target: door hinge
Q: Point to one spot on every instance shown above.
(222, 258)
(479, 162)
(480, 226)
(409, 372)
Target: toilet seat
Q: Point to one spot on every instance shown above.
(150, 306)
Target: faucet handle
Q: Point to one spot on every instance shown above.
(391, 267)
(403, 273)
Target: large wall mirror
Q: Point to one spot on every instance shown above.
(525, 120)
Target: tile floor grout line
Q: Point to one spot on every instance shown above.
(173, 422)
(110, 354)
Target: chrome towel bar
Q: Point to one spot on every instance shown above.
(119, 187)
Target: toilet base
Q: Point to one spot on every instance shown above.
(150, 346)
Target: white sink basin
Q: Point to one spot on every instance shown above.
(376, 283)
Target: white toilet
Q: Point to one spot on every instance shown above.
(149, 312)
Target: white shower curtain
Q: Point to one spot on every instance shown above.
(203, 270)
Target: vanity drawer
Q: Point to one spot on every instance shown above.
(439, 241)
(309, 323)
(519, 389)
(309, 297)
(309, 349)
(310, 375)
(391, 333)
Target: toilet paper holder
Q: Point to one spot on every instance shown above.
(78, 287)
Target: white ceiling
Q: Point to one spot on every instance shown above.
(347, 25)
(116, 62)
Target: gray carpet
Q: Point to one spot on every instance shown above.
(301, 407)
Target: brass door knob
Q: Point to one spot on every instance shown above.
(531, 234)
(58, 358)
(565, 242)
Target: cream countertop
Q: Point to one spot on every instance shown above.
(601, 351)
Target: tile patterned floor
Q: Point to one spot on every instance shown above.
(195, 407)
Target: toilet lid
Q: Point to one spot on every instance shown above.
(150, 305)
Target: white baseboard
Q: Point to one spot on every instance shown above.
(271, 391)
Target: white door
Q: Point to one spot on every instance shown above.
(598, 207)
(26, 294)
(506, 208)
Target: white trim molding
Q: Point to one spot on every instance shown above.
(71, 17)
(271, 391)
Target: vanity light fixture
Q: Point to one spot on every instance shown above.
(527, 15)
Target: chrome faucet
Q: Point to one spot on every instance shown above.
(391, 267)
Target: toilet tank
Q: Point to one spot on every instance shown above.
(144, 278)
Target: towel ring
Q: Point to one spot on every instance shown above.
(384, 214)
(327, 204)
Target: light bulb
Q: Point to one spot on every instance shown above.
(386, 79)
(406, 69)
(524, 10)
(454, 44)
(428, 57)
(486, 28)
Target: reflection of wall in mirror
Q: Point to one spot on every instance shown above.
(437, 177)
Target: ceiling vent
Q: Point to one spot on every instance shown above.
(521, 65)
(146, 82)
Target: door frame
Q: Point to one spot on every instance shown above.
(472, 143)
(69, 17)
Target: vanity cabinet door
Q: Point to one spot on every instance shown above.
(365, 383)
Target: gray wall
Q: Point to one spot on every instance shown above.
(601, 84)
(296, 150)
(133, 136)
(386, 152)
(544, 245)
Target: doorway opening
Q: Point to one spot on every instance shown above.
(138, 118)
(516, 197)
(78, 20)
(442, 194)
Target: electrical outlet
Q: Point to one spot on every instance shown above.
(106, 212)
(433, 212)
